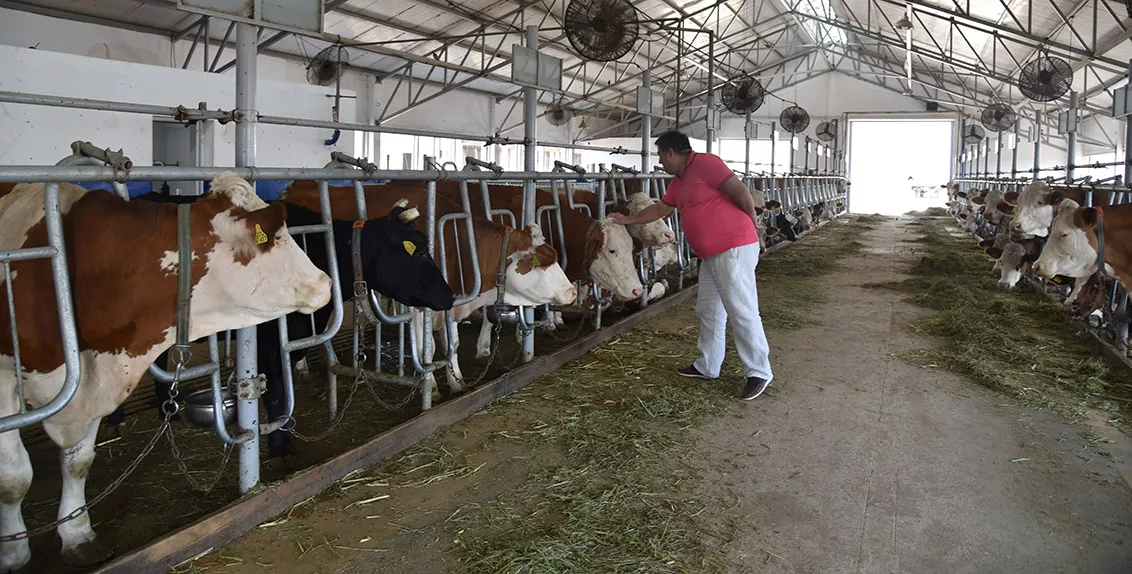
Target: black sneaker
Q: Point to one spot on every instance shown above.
(755, 387)
(691, 371)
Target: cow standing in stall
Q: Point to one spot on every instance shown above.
(1072, 247)
(123, 262)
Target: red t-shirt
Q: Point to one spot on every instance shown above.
(712, 222)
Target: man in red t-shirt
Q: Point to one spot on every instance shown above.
(718, 215)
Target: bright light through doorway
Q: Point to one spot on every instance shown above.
(889, 159)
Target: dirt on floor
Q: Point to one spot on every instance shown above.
(853, 461)
(862, 462)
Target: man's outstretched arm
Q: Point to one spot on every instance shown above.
(649, 214)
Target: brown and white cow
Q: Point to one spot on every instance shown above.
(1012, 256)
(123, 263)
(1071, 249)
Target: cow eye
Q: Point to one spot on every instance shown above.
(612, 251)
(278, 237)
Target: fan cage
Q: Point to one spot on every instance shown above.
(794, 119)
(1045, 78)
(601, 30)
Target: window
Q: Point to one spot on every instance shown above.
(822, 33)
(472, 150)
(406, 161)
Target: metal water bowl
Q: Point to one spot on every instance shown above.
(198, 408)
(506, 315)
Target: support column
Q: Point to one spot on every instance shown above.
(710, 90)
(1128, 142)
(747, 144)
(1037, 143)
(806, 156)
(530, 116)
(247, 368)
(998, 157)
(1014, 154)
(1071, 148)
(773, 142)
(646, 134)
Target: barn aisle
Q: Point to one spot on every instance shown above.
(861, 462)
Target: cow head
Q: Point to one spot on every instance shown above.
(1012, 261)
(610, 260)
(1033, 209)
(1071, 247)
(397, 264)
(534, 276)
(649, 234)
(255, 266)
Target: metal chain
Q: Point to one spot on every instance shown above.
(170, 407)
(109, 489)
(333, 425)
(182, 357)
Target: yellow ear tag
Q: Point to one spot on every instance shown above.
(260, 236)
(535, 261)
(410, 247)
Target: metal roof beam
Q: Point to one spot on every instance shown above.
(1019, 36)
(670, 61)
(1022, 37)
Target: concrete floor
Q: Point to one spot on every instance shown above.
(860, 462)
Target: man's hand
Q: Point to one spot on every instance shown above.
(621, 218)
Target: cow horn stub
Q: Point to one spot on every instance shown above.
(403, 202)
(409, 215)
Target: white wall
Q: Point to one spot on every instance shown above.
(44, 134)
(457, 112)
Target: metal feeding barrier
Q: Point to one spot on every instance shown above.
(1115, 317)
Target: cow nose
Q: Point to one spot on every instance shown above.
(1037, 269)
(669, 237)
(637, 292)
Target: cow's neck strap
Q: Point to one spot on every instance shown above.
(361, 290)
(184, 282)
(501, 279)
(586, 256)
(1100, 242)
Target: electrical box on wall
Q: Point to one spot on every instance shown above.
(1066, 122)
(533, 68)
(933, 106)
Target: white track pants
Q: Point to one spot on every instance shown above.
(727, 289)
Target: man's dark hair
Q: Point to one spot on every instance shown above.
(674, 141)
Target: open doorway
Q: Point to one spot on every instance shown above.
(897, 166)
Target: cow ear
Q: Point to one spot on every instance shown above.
(962, 194)
(1086, 217)
(979, 200)
(264, 224)
(1010, 197)
(1056, 197)
(1005, 208)
(772, 231)
(962, 216)
(993, 252)
(986, 243)
(773, 205)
